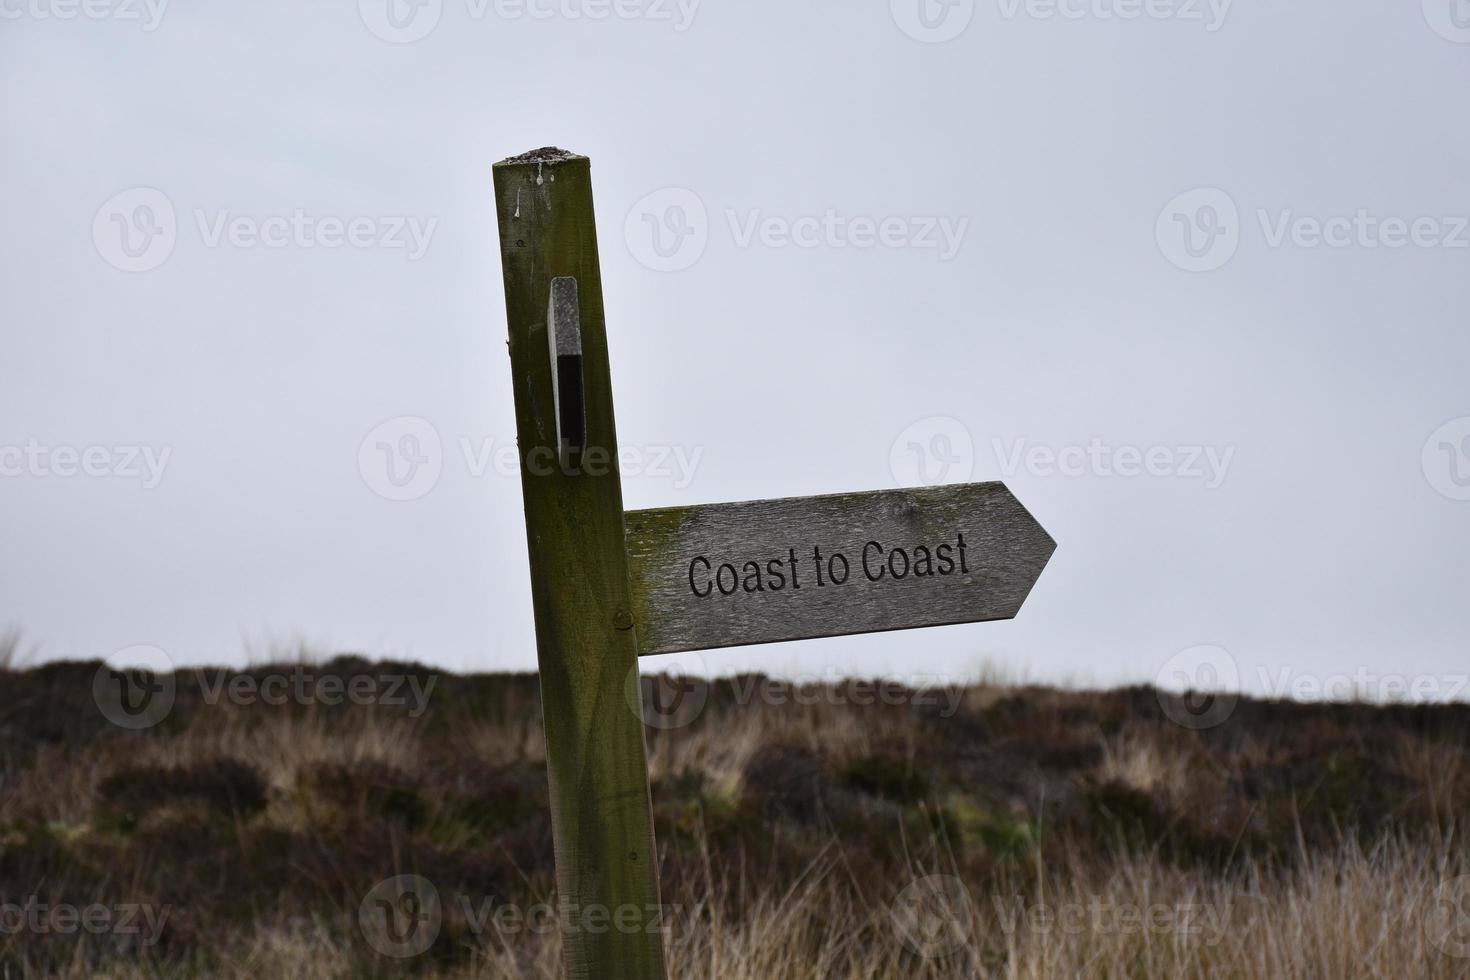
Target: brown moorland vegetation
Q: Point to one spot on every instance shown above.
(854, 831)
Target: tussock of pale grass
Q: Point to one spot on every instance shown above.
(1149, 765)
(282, 744)
(1441, 769)
(503, 741)
(58, 789)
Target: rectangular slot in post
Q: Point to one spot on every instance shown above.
(564, 334)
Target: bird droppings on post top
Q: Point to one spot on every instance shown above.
(546, 154)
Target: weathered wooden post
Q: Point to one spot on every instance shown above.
(607, 876)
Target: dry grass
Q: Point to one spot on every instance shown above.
(1348, 914)
(984, 832)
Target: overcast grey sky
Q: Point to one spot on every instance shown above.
(1220, 246)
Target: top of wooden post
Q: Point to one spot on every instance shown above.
(546, 154)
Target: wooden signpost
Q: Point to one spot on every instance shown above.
(609, 586)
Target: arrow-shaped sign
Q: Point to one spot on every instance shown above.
(720, 575)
